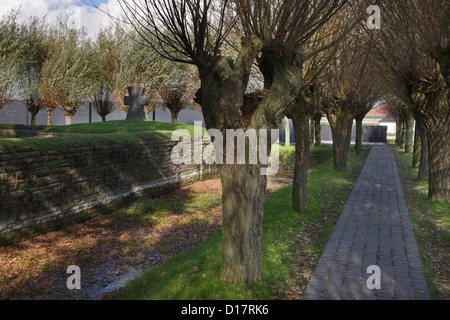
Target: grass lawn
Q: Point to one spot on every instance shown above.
(117, 126)
(431, 223)
(292, 244)
(90, 134)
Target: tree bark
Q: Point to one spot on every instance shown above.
(287, 133)
(311, 131)
(402, 133)
(439, 162)
(409, 134)
(423, 165)
(416, 149)
(300, 119)
(69, 116)
(243, 192)
(103, 118)
(33, 118)
(398, 130)
(317, 128)
(174, 115)
(226, 105)
(341, 122)
(358, 141)
(436, 128)
(49, 115)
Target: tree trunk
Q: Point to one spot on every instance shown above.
(311, 131)
(398, 130)
(409, 134)
(226, 105)
(358, 141)
(417, 145)
(341, 122)
(300, 119)
(287, 133)
(439, 162)
(68, 119)
(33, 118)
(174, 117)
(243, 194)
(317, 128)
(103, 118)
(436, 128)
(69, 116)
(423, 165)
(49, 116)
(402, 133)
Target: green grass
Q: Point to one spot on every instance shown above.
(287, 235)
(90, 134)
(431, 223)
(317, 155)
(118, 126)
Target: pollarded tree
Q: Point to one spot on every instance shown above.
(177, 89)
(68, 76)
(417, 61)
(8, 58)
(309, 98)
(343, 79)
(369, 91)
(102, 102)
(32, 52)
(126, 62)
(8, 72)
(193, 32)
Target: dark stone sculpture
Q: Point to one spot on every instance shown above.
(136, 100)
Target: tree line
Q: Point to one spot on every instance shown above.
(260, 61)
(49, 66)
(311, 58)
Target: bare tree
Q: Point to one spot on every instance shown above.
(178, 88)
(343, 79)
(193, 32)
(416, 62)
(369, 91)
(309, 99)
(103, 103)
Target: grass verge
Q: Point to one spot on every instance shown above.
(292, 244)
(90, 134)
(431, 223)
(117, 126)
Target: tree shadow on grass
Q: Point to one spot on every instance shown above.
(105, 248)
(120, 230)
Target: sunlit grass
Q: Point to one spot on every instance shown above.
(196, 274)
(431, 222)
(92, 134)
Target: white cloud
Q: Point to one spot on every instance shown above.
(81, 14)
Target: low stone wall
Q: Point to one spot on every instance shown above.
(46, 190)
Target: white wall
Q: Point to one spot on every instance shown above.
(16, 113)
(391, 127)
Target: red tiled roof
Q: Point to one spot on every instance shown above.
(378, 112)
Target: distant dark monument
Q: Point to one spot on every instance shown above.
(136, 100)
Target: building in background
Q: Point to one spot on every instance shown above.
(389, 122)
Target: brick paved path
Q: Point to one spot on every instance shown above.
(373, 229)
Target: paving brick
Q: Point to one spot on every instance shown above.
(373, 229)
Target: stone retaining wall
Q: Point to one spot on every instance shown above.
(46, 190)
